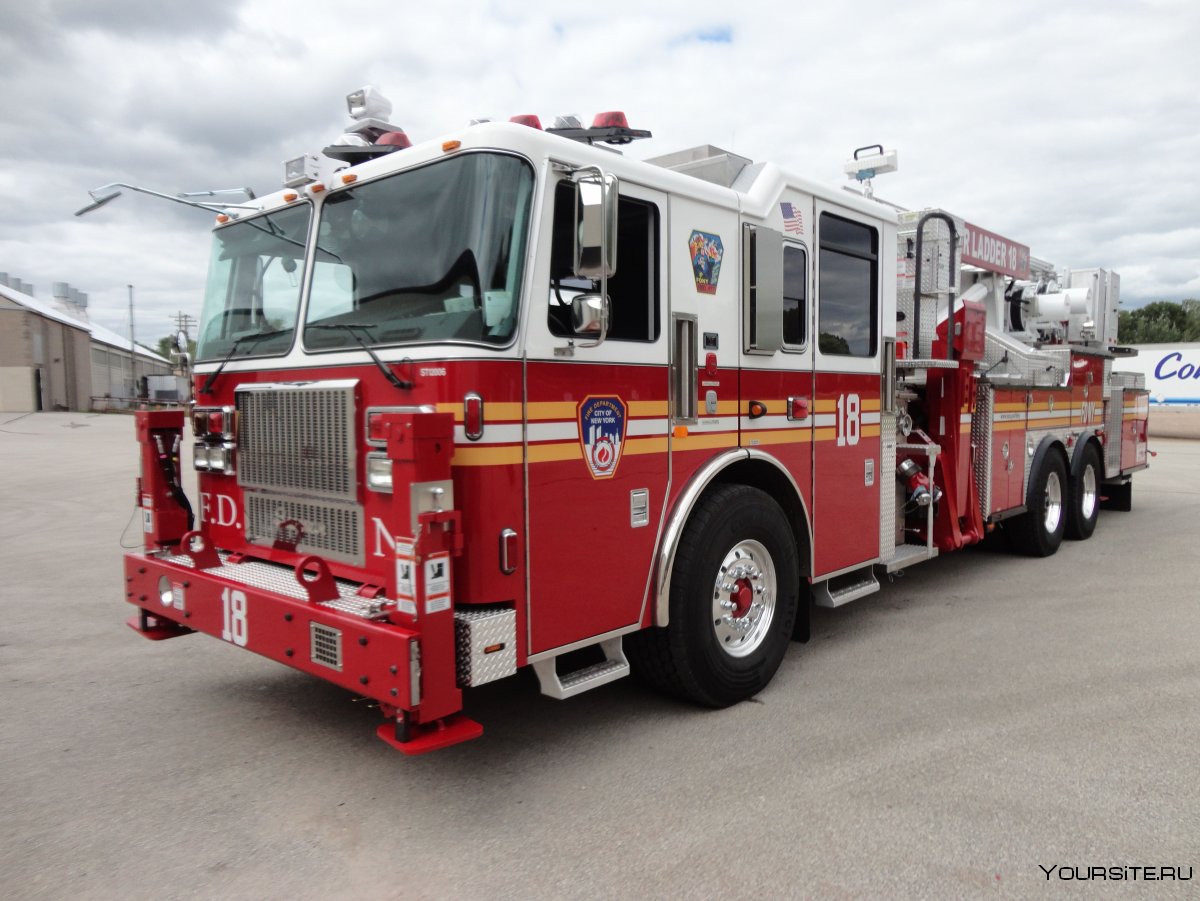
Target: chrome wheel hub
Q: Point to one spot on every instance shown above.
(1052, 510)
(744, 596)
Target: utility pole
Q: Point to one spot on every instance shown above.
(184, 323)
(132, 348)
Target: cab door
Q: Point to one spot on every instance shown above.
(778, 406)
(596, 426)
(847, 388)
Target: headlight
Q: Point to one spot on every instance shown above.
(379, 473)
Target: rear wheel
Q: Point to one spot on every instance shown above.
(1084, 508)
(1039, 530)
(733, 601)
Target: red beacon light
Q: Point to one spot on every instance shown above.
(397, 139)
(611, 127)
(613, 119)
(530, 120)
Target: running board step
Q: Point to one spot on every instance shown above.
(844, 589)
(614, 666)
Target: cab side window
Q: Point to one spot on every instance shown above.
(848, 289)
(633, 288)
(795, 295)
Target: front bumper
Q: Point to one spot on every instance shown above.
(347, 641)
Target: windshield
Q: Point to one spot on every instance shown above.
(254, 285)
(433, 254)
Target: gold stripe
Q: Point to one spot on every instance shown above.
(486, 456)
(728, 408)
(655, 445)
(703, 440)
(549, 453)
(557, 409)
(1009, 407)
(780, 436)
(647, 408)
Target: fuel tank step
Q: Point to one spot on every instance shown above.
(565, 685)
(844, 589)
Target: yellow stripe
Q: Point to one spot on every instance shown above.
(486, 456)
(728, 408)
(1009, 407)
(703, 440)
(781, 436)
(656, 445)
(550, 453)
(647, 408)
(552, 410)
(1017, 426)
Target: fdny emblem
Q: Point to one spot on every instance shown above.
(706, 251)
(602, 434)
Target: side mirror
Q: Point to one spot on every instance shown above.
(591, 314)
(596, 225)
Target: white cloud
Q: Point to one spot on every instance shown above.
(1069, 127)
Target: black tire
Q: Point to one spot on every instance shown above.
(1039, 530)
(1084, 508)
(720, 660)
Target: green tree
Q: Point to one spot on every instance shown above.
(1161, 322)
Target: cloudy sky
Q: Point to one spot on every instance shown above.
(1068, 126)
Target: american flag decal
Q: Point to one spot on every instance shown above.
(793, 221)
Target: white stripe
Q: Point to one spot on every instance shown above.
(1049, 414)
(715, 424)
(773, 422)
(646, 427)
(553, 431)
(870, 419)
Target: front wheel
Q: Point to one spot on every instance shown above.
(733, 599)
(1085, 496)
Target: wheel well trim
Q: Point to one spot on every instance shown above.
(686, 503)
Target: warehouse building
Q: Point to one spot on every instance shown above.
(53, 358)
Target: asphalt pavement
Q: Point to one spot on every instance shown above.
(978, 722)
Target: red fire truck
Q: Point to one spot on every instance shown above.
(509, 398)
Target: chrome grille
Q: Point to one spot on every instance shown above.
(326, 645)
(329, 529)
(298, 438)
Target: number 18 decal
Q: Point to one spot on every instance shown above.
(849, 419)
(233, 624)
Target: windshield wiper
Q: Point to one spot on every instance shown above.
(349, 327)
(256, 337)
